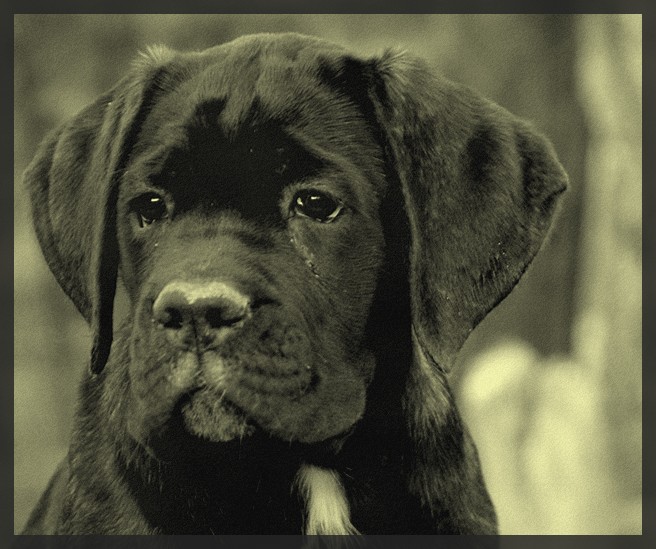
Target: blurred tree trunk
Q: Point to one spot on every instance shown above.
(609, 338)
(560, 436)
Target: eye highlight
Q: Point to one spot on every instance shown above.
(316, 205)
(149, 207)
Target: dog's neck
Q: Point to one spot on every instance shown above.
(272, 489)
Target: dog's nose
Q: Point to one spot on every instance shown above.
(200, 314)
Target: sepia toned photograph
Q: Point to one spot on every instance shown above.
(328, 274)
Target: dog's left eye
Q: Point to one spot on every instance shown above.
(149, 208)
(316, 205)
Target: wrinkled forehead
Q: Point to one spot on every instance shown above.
(260, 84)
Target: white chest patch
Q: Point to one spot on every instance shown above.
(327, 509)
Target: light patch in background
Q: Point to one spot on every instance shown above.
(560, 438)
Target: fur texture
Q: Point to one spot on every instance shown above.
(306, 238)
(327, 508)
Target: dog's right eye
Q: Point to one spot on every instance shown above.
(149, 208)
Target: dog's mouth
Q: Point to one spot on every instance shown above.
(213, 417)
(241, 393)
(206, 429)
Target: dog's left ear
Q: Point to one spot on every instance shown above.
(73, 186)
(480, 188)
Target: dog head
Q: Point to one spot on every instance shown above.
(284, 215)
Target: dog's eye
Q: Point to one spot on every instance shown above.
(316, 205)
(149, 208)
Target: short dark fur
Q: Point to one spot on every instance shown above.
(352, 325)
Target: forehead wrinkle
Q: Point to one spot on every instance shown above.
(287, 87)
(267, 86)
(273, 80)
(242, 76)
(234, 87)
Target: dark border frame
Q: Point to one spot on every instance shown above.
(644, 7)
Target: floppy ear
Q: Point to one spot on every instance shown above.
(480, 188)
(73, 185)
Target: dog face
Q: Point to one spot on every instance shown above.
(306, 238)
(250, 242)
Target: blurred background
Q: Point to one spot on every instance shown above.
(550, 383)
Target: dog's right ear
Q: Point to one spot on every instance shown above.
(73, 186)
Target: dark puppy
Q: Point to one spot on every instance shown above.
(306, 239)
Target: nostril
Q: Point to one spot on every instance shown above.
(217, 317)
(168, 313)
(172, 319)
(261, 302)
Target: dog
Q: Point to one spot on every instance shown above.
(306, 237)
